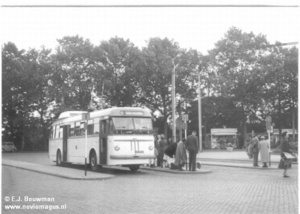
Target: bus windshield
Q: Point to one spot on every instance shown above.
(129, 123)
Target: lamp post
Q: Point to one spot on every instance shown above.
(173, 102)
(199, 113)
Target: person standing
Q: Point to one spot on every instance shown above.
(158, 158)
(161, 149)
(254, 144)
(180, 156)
(285, 147)
(193, 148)
(263, 148)
(170, 152)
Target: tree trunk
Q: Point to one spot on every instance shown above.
(180, 121)
(166, 129)
(279, 116)
(293, 122)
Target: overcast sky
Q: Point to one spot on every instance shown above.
(192, 27)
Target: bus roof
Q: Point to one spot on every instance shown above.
(68, 114)
(122, 111)
(71, 116)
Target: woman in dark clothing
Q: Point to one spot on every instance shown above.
(171, 150)
(285, 147)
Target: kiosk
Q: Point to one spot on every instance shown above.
(222, 137)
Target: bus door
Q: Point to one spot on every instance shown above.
(103, 141)
(65, 142)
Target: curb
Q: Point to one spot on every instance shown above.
(168, 170)
(238, 166)
(231, 160)
(59, 174)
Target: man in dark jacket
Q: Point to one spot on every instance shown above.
(285, 148)
(162, 144)
(254, 142)
(192, 145)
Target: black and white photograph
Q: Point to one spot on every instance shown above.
(149, 107)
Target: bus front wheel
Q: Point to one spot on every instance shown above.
(93, 161)
(134, 168)
(58, 158)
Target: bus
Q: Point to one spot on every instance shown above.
(119, 136)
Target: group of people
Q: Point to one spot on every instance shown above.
(178, 150)
(259, 144)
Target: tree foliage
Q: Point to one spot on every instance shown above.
(243, 80)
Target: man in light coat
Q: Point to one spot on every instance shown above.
(263, 147)
(180, 157)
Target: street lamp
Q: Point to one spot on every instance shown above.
(173, 101)
(199, 113)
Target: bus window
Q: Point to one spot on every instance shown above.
(90, 127)
(61, 128)
(123, 122)
(72, 131)
(110, 126)
(96, 128)
(82, 128)
(104, 127)
(51, 132)
(143, 123)
(57, 132)
(77, 129)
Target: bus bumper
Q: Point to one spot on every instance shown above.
(131, 157)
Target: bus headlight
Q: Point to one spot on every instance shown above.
(117, 148)
(150, 147)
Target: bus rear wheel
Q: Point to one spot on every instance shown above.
(58, 158)
(93, 161)
(134, 168)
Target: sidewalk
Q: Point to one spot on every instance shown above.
(63, 172)
(236, 158)
(235, 155)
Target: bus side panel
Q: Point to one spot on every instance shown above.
(74, 152)
(54, 145)
(76, 149)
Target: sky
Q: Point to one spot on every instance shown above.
(191, 27)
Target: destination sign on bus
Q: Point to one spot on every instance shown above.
(132, 113)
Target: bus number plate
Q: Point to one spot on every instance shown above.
(139, 151)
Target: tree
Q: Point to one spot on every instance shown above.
(26, 75)
(72, 79)
(38, 73)
(281, 86)
(119, 59)
(159, 59)
(13, 94)
(236, 62)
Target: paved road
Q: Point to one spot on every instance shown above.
(225, 190)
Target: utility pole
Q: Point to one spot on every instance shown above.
(173, 102)
(199, 112)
